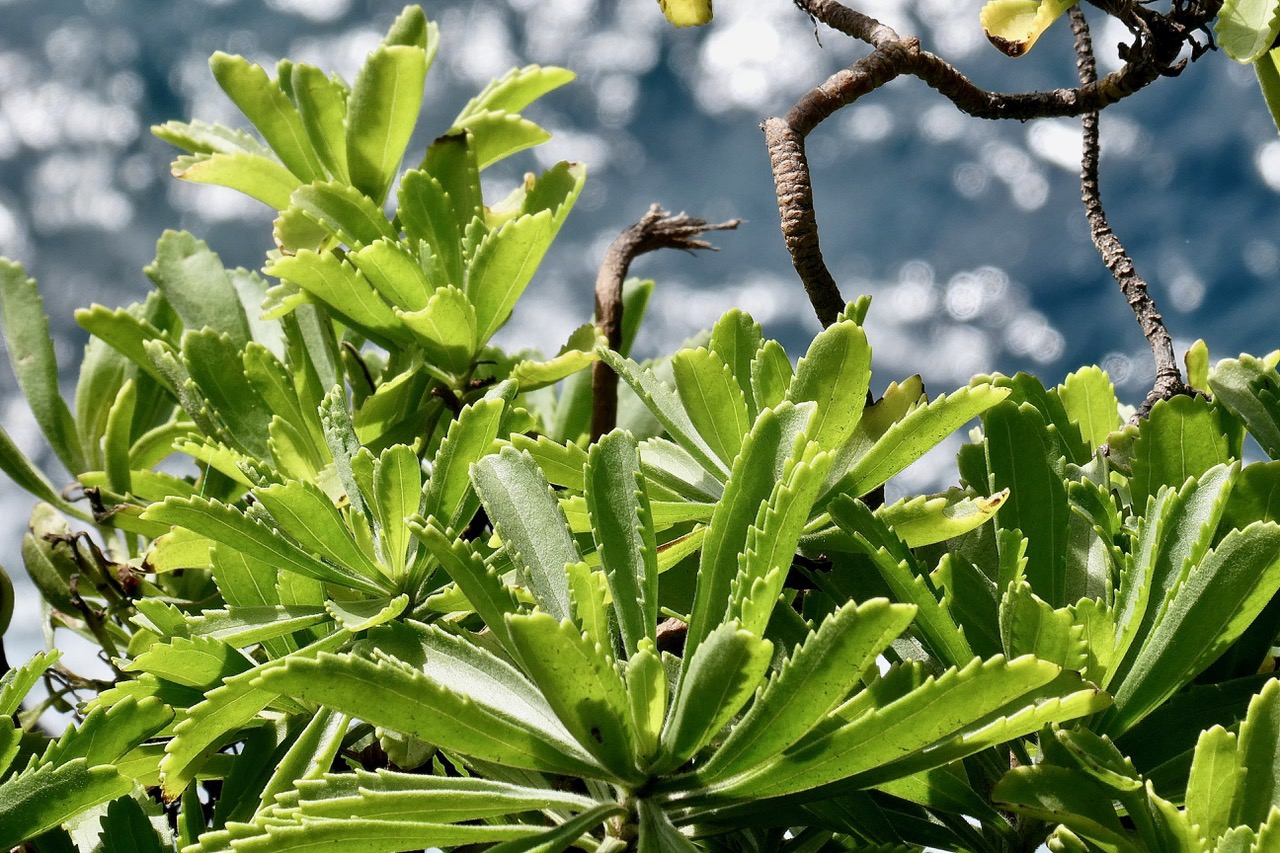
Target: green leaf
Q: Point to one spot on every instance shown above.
(262, 178)
(1249, 388)
(563, 836)
(448, 495)
(524, 512)
(713, 400)
(227, 525)
(395, 273)
(266, 105)
(1061, 795)
(771, 375)
(906, 579)
(622, 527)
(667, 408)
(127, 829)
(361, 615)
(835, 373)
(193, 280)
(382, 111)
(322, 105)
(1206, 613)
(580, 680)
(25, 474)
(344, 290)
(451, 162)
(877, 736)
(515, 90)
(446, 328)
(499, 134)
(1258, 792)
(196, 662)
(1269, 80)
(197, 137)
(1023, 458)
(914, 435)
(17, 682)
(1246, 29)
(818, 676)
(1030, 626)
(1182, 437)
(1214, 782)
(502, 266)
(343, 212)
(216, 365)
(756, 470)
(42, 798)
(31, 357)
(722, 674)
(397, 493)
(925, 521)
(427, 214)
(1014, 26)
(738, 341)
(772, 540)
(1090, 402)
(482, 586)
(244, 625)
(416, 704)
(304, 512)
(123, 331)
(579, 352)
(686, 13)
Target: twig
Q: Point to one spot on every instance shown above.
(1154, 54)
(1168, 376)
(657, 229)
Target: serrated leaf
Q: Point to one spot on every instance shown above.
(722, 674)
(713, 400)
(1024, 459)
(1247, 386)
(987, 702)
(416, 704)
(193, 281)
(835, 373)
(1220, 599)
(579, 352)
(524, 512)
(925, 521)
(1269, 80)
(397, 493)
(266, 105)
(1090, 402)
(305, 512)
(772, 540)
(447, 328)
(915, 434)
(124, 331)
(1182, 437)
(500, 134)
(771, 375)
(623, 530)
(197, 662)
(41, 799)
(427, 213)
(344, 290)
(381, 113)
(344, 212)
(756, 469)
(196, 137)
(906, 579)
(580, 681)
(18, 681)
(215, 364)
(361, 615)
(1258, 791)
(1066, 796)
(1028, 625)
(1214, 782)
(515, 90)
(244, 625)
(818, 676)
(262, 178)
(395, 273)
(482, 586)
(502, 267)
(322, 105)
(1246, 29)
(230, 527)
(1014, 26)
(32, 359)
(451, 161)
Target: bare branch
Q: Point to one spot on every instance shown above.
(657, 229)
(1154, 54)
(1168, 375)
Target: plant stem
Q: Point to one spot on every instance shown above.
(1168, 375)
(657, 229)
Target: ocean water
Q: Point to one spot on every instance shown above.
(969, 234)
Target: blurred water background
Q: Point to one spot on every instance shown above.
(969, 234)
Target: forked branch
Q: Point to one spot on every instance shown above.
(1155, 53)
(657, 229)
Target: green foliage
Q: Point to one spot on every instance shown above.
(395, 599)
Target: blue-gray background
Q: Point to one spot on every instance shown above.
(968, 233)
